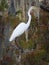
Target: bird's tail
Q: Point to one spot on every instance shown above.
(10, 39)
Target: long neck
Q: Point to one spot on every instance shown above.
(29, 20)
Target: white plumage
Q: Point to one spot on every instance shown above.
(22, 27)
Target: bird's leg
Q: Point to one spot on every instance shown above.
(26, 34)
(18, 45)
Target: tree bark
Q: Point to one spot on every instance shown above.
(1, 36)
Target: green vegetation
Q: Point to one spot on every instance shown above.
(3, 5)
(38, 39)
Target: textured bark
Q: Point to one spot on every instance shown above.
(1, 36)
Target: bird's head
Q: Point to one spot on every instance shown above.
(35, 10)
(29, 11)
(32, 8)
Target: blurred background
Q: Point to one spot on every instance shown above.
(20, 52)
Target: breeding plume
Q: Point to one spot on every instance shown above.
(22, 27)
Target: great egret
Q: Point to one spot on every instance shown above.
(22, 27)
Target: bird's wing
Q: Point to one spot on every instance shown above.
(20, 28)
(18, 31)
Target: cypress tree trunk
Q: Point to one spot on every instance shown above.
(1, 36)
(4, 36)
(37, 2)
(44, 1)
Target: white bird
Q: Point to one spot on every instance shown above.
(22, 27)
